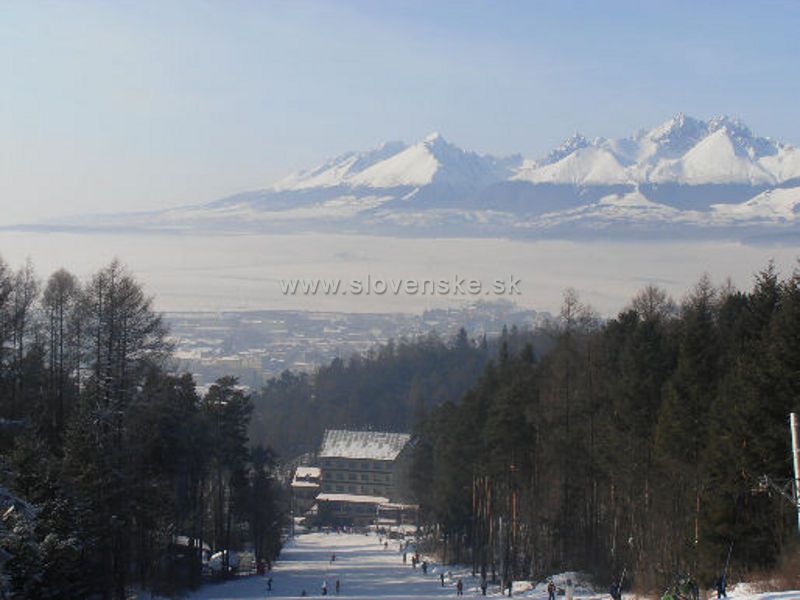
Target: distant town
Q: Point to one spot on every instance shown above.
(255, 346)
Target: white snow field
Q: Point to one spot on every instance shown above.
(366, 570)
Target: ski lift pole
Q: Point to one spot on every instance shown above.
(727, 561)
(794, 425)
(621, 581)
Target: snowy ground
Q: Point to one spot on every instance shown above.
(366, 570)
(363, 567)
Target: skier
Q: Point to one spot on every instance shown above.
(509, 586)
(722, 586)
(338, 586)
(459, 588)
(613, 591)
(385, 545)
(413, 562)
(269, 584)
(424, 567)
(483, 585)
(694, 589)
(551, 590)
(333, 557)
(441, 578)
(324, 588)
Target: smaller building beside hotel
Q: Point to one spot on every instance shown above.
(305, 487)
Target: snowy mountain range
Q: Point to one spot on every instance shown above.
(686, 178)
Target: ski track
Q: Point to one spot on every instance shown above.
(366, 570)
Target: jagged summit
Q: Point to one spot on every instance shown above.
(575, 142)
(433, 138)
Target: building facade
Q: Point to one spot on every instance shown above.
(363, 469)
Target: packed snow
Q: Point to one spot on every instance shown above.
(365, 569)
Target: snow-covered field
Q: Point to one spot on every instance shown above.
(366, 570)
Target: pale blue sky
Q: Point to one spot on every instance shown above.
(108, 106)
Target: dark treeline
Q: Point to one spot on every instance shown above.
(636, 443)
(390, 388)
(114, 468)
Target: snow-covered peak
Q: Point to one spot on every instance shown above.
(433, 138)
(338, 170)
(393, 164)
(754, 146)
(574, 142)
(676, 136)
(432, 160)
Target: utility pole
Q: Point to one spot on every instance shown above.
(794, 424)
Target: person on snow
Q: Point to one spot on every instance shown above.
(441, 578)
(269, 584)
(424, 567)
(614, 592)
(722, 586)
(551, 590)
(459, 588)
(483, 585)
(333, 557)
(338, 586)
(694, 589)
(324, 588)
(405, 556)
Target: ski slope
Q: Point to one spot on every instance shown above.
(366, 570)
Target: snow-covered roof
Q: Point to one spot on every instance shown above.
(304, 484)
(399, 506)
(311, 472)
(352, 498)
(372, 445)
